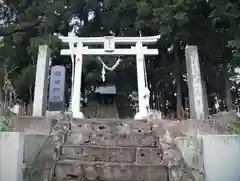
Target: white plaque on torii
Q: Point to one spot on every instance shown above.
(109, 43)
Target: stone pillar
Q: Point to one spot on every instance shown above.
(11, 156)
(76, 96)
(195, 90)
(142, 112)
(41, 81)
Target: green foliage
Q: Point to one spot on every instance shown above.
(24, 83)
(4, 124)
(211, 25)
(235, 129)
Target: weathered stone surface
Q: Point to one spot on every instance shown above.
(111, 126)
(72, 152)
(102, 139)
(132, 139)
(75, 138)
(94, 153)
(32, 144)
(178, 169)
(69, 171)
(191, 148)
(121, 150)
(111, 171)
(195, 88)
(207, 126)
(140, 126)
(32, 124)
(135, 140)
(149, 155)
(100, 153)
(91, 171)
(61, 127)
(172, 157)
(120, 154)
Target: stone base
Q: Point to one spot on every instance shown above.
(30, 124)
(141, 115)
(110, 171)
(78, 115)
(53, 113)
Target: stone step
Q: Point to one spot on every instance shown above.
(112, 154)
(77, 170)
(108, 120)
(112, 139)
(109, 126)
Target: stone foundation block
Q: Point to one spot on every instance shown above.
(149, 155)
(92, 171)
(148, 141)
(99, 153)
(127, 140)
(124, 154)
(72, 152)
(102, 139)
(150, 173)
(75, 138)
(104, 128)
(94, 153)
(141, 127)
(135, 139)
(70, 170)
(110, 126)
(117, 172)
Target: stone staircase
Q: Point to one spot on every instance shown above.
(109, 150)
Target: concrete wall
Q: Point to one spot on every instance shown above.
(11, 156)
(221, 157)
(212, 157)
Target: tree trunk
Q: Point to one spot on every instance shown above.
(205, 99)
(179, 107)
(228, 96)
(1, 101)
(1, 91)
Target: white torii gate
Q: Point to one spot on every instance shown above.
(78, 46)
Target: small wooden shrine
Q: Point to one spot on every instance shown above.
(102, 103)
